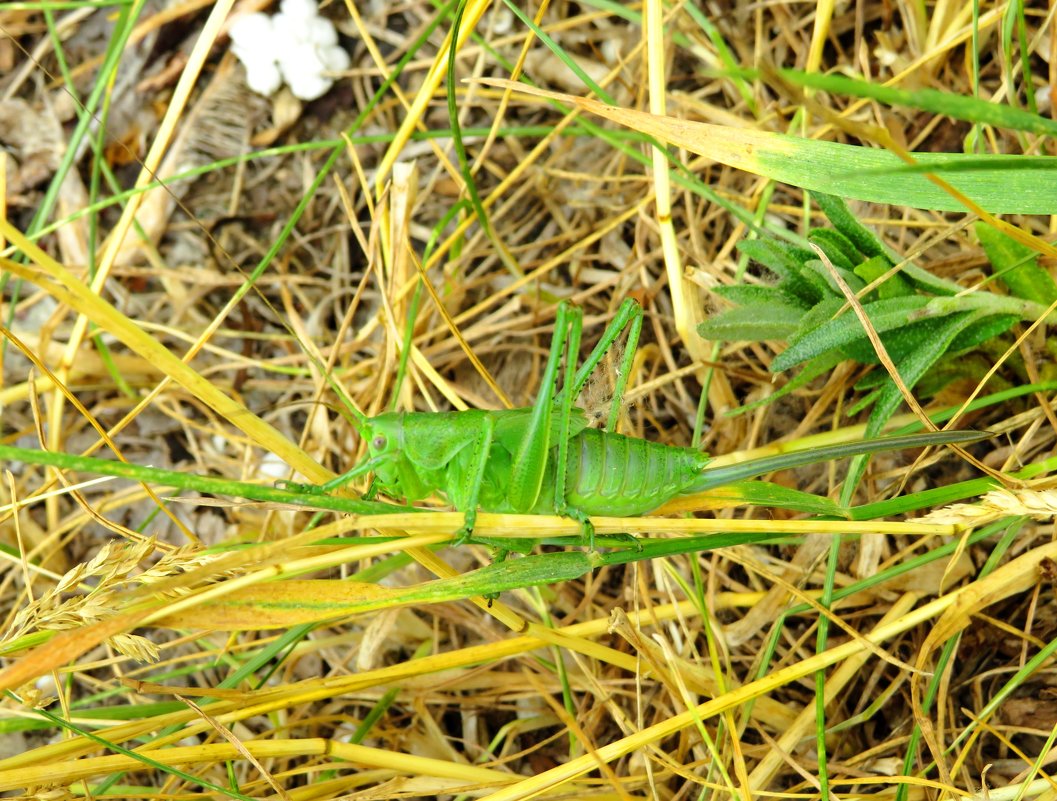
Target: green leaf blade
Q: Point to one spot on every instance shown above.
(756, 323)
(883, 315)
(1017, 266)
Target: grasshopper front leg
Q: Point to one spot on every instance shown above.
(365, 465)
(473, 479)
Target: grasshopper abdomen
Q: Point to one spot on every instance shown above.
(611, 474)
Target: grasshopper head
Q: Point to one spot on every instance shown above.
(384, 434)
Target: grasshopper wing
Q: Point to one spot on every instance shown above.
(510, 426)
(432, 441)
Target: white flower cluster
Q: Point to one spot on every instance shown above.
(296, 45)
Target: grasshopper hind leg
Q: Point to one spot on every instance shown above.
(629, 316)
(568, 397)
(587, 528)
(587, 531)
(473, 478)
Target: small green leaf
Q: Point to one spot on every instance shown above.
(927, 282)
(780, 258)
(873, 268)
(985, 329)
(899, 342)
(915, 365)
(840, 250)
(869, 245)
(872, 380)
(753, 323)
(888, 398)
(787, 263)
(1017, 266)
(838, 213)
(883, 315)
(867, 400)
(893, 287)
(758, 294)
(822, 271)
(821, 312)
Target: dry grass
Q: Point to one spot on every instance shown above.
(717, 673)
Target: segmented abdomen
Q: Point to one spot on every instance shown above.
(610, 474)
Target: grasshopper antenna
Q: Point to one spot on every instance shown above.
(348, 408)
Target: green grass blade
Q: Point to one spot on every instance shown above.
(1017, 266)
(192, 481)
(160, 767)
(999, 184)
(948, 104)
(468, 179)
(718, 476)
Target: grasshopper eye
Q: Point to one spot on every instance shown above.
(378, 443)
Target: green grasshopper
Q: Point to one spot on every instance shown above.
(544, 459)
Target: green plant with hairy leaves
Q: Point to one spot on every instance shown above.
(922, 320)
